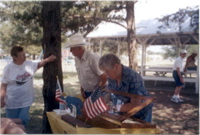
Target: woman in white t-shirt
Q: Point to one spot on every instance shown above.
(17, 92)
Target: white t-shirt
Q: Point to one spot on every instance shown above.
(178, 64)
(19, 80)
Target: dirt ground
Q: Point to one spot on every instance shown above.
(173, 118)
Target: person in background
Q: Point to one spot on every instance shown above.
(125, 79)
(190, 62)
(178, 76)
(86, 62)
(17, 92)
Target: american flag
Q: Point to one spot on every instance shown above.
(59, 93)
(95, 105)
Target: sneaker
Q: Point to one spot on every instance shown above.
(180, 100)
(176, 100)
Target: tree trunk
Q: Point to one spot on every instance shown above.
(51, 45)
(33, 56)
(131, 38)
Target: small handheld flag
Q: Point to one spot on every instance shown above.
(95, 105)
(59, 93)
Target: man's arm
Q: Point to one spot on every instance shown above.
(103, 80)
(128, 106)
(3, 93)
(179, 74)
(45, 61)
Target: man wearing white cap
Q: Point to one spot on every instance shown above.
(178, 76)
(86, 62)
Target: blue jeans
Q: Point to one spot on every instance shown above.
(148, 117)
(21, 113)
(145, 114)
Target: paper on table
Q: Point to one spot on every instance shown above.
(62, 112)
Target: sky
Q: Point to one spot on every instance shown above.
(158, 8)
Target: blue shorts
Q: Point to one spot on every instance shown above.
(192, 68)
(21, 113)
(177, 79)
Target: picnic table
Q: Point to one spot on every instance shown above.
(162, 74)
(162, 71)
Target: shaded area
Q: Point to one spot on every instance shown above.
(173, 118)
(35, 123)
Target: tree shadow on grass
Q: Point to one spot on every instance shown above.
(72, 89)
(35, 123)
(176, 118)
(69, 74)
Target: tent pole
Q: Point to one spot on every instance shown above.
(118, 47)
(142, 62)
(100, 48)
(197, 83)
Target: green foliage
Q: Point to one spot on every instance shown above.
(84, 16)
(180, 18)
(20, 24)
(25, 20)
(170, 52)
(173, 51)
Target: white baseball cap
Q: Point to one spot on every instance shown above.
(77, 40)
(183, 51)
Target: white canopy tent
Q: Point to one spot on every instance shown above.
(149, 32)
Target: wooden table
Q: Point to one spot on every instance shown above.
(60, 126)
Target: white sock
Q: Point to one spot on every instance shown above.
(175, 96)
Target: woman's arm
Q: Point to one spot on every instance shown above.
(47, 60)
(3, 94)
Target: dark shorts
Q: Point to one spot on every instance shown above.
(177, 79)
(192, 68)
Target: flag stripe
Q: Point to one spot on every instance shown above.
(102, 104)
(90, 108)
(93, 109)
(59, 93)
(87, 108)
(95, 105)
